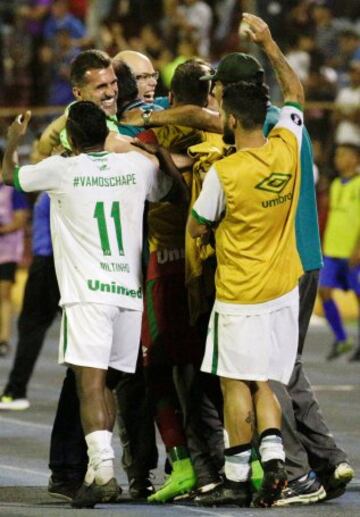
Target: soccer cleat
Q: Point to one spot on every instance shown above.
(181, 480)
(275, 480)
(335, 484)
(140, 488)
(10, 403)
(224, 494)
(304, 490)
(4, 348)
(339, 348)
(90, 495)
(62, 488)
(190, 496)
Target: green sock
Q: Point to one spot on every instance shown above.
(257, 472)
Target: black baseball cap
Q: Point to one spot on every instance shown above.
(236, 67)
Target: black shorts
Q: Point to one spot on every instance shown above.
(7, 271)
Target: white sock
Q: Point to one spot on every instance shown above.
(90, 475)
(271, 448)
(101, 455)
(237, 466)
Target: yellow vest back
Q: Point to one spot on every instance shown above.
(255, 241)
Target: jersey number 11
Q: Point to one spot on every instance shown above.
(99, 215)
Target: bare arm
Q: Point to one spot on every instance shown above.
(15, 132)
(123, 144)
(288, 80)
(354, 259)
(116, 143)
(196, 229)
(50, 138)
(18, 222)
(182, 161)
(188, 115)
(179, 194)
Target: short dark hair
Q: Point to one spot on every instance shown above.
(86, 125)
(87, 60)
(247, 102)
(128, 90)
(186, 85)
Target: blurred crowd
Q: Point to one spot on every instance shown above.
(321, 38)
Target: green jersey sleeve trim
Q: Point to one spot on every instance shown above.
(199, 219)
(295, 105)
(16, 179)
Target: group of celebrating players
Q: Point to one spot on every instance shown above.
(208, 220)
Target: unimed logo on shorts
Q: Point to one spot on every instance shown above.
(275, 183)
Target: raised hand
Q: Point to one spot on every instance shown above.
(19, 126)
(256, 29)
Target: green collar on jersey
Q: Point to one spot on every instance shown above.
(97, 153)
(111, 122)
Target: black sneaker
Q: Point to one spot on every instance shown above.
(203, 489)
(4, 348)
(336, 481)
(90, 495)
(274, 481)
(140, 488)
(62, 488)
(304, 490)
(224, 494)
(355, 356)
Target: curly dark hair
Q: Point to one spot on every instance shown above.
(86, 125)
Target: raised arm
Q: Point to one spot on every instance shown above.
(15, 132)
(19, 221)
(188, 115)
(50, 138)
(289, 82)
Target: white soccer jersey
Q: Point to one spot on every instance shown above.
(97, 205)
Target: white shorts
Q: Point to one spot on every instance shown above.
(253, 342)
(99, 336)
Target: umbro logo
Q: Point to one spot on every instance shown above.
(274, 183)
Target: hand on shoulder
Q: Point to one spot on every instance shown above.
(116, 143)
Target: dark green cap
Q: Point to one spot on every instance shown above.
(236, 67)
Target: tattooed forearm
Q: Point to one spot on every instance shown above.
(259, 33)
(288, 80)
